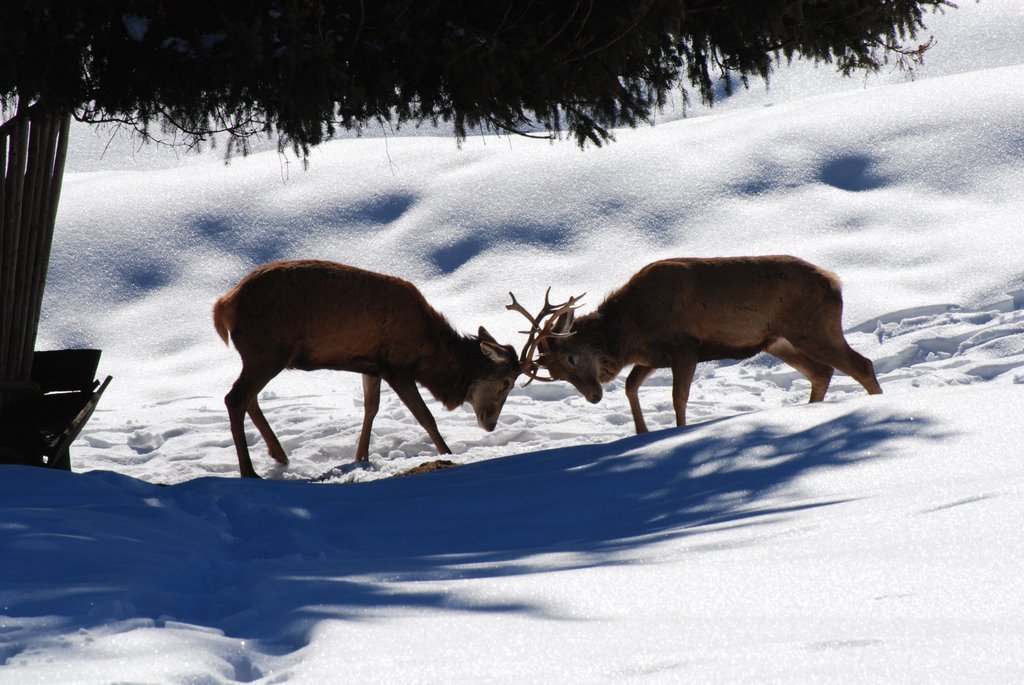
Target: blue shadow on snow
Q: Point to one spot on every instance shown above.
(266, 561)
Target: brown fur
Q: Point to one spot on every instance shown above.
(677, 312)
(312, 314)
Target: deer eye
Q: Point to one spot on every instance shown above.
(571, 360)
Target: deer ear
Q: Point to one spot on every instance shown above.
(484, 335)
(563, 324)
(495, 352)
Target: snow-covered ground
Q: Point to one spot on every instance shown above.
(865, 539)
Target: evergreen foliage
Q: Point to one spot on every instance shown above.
(302, 68)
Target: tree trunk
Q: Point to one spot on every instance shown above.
(33, 148)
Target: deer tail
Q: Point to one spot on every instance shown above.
(224, 317)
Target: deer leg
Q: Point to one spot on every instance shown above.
(405, 387)
(837, 353)
(820, 375)
(238, 400)
(371, 403)
(684, 364)
(634, 380)
(861, 369)
(263, 426)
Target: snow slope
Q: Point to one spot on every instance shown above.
(911, 193)
(862, 539)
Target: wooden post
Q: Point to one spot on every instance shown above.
(54, 158)
(14, 186)
(28, 235)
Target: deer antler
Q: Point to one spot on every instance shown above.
(541, 330)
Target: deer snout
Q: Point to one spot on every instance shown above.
(487, 420)
(592, 394)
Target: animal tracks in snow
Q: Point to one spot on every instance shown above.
(927, 346)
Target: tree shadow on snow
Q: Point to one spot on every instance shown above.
(533, 513)
(268, 560)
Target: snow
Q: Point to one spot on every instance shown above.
(862, 539)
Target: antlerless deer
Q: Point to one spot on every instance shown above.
(322, 315)
(677, 312)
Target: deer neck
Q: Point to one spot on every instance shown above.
(602, 331)
(448, 372)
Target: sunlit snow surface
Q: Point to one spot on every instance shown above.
(865, 539)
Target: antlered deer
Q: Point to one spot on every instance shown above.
(323, 315)
(677, 312)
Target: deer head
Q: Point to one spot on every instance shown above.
(490, 387)
(549, 344)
